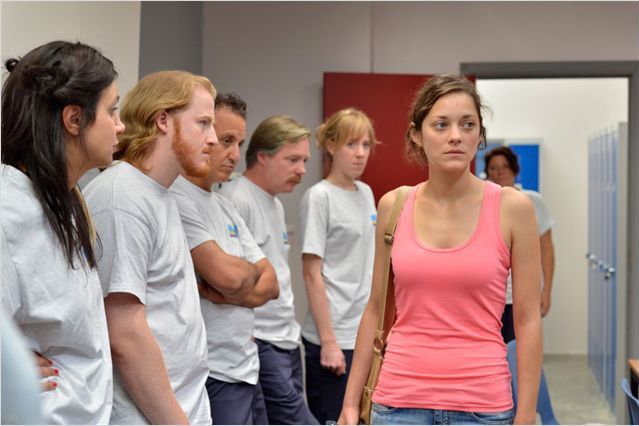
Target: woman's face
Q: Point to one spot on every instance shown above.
(499, 171)
(350, 159)
(100, 137)
(450, 133)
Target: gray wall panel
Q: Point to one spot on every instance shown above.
(633, 219)
(170, 36)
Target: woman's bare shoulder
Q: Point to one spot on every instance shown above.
(516, 202)
(387, 201)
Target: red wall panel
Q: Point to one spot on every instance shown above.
(386, 99)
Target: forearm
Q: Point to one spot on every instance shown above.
(362, 358)
(526, 272)
(547, 268)
(529, 361)
(318, 301)
(245, 276)
(138, 358)
(141, 365)
(266, 288)
(229, 275)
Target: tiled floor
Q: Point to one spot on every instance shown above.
(574, 393)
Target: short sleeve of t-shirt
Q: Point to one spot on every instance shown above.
(252, 252)
(192, 220)
(544, 218)
(243, 208)
(242, 202)
(314, 222)
(127, 243)
(10, 279)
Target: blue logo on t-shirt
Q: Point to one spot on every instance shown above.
(374, 218)
(232, 230)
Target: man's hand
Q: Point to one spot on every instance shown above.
(332, 358)
(211, 294)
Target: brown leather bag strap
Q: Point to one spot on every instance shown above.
(386, 316)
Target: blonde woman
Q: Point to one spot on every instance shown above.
(338, 219)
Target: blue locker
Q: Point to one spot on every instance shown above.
(602, 259)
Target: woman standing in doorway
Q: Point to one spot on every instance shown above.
(502, 167)
(338, 219)
(59, 119)
(457, 236)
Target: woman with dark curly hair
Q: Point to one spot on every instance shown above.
(502, 167)
(59, 119)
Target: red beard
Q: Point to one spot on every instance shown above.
(191, 166)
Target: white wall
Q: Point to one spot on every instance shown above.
(275, 53)
(564, 113)
(112, 27)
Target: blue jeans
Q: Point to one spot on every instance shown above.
(282, 385)
(384, 415)
(236, 403)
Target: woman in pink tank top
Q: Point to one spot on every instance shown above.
(456, 239)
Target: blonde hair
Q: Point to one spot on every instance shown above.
(272, 134)
(344, 126)
(157, 92)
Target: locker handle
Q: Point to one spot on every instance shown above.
(610, 272)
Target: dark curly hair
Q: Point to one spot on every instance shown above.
(231, 101)
(39, 86)
(508, 153)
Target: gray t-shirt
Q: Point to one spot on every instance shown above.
(207, 216)
(544, 223)
(145, 253)
(59, 309)
(339, 226)
(264, 215)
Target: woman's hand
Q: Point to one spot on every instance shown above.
(545, 303)
(349, 416)
(46, 370)
(520, 419)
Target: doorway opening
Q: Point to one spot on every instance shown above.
(503, 81)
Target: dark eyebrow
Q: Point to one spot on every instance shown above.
(445, 117)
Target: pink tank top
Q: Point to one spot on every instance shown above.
(446, 351)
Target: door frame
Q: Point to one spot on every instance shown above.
(628, 270)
